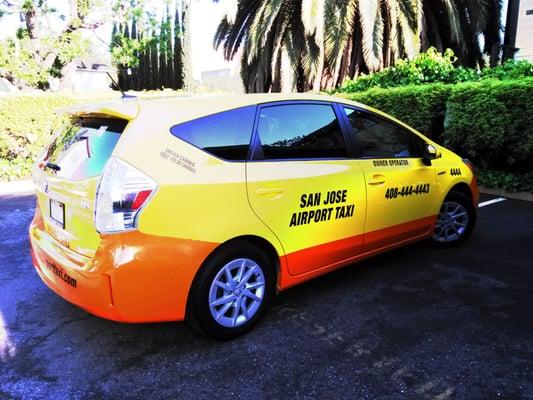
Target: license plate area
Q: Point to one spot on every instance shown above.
(57, 212)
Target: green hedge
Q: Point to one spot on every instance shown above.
(27, 123)
(490, 122)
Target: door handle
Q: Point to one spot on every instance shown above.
(269, 191)
(376, 179)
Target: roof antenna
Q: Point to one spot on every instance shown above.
(124, 95)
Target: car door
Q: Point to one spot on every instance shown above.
(401, 193)
(303, 186)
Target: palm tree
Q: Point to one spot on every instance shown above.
(312, 44)
(188, 81)
(459, 24)
(366, 36)
(273, 42)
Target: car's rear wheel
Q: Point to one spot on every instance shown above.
(455, 221)
(231, 291)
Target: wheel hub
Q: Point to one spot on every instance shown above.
(451, 223)
(237, 292)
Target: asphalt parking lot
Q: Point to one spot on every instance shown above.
(417, 322)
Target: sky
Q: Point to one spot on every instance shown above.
(205, 15)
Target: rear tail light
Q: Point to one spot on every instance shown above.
(122, 192)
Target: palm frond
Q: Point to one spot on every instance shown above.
(372, 31)
(408, 12)
(339, 25)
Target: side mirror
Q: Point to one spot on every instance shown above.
(430, 153)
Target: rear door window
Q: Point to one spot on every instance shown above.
(82, 148)
(226, 135)
(300, 131)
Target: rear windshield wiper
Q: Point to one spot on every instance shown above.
(52, 166)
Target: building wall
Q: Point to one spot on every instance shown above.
(222, 79)
(524, 34)
(86, 80)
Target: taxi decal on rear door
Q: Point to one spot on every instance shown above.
(333, 198)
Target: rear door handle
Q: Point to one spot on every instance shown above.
(269, 191)
(376, 179)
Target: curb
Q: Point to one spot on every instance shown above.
(17, 187)
(524, 196)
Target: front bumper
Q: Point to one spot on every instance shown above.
(475, 191)
(132, 277)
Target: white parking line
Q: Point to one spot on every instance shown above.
(489, 202)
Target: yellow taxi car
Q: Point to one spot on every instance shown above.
(202, 208)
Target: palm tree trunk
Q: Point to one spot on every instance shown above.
(343, 64)
(276, 75)
(287, 72)
(188, 81)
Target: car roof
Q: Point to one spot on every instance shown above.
(165, 112)
(195, 105)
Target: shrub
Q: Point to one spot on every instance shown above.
(492, 122)
(511, 69)
(506, 180)
(433, 67)
(427, 67)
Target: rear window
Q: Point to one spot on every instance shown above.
(82, 148)
(225, 135)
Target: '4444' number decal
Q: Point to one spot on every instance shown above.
(455, 171)
(404, 191)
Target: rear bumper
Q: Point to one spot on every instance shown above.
(132, 277)
(65, 276)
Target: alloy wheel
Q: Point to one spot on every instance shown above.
(237, 292)
(452, 222)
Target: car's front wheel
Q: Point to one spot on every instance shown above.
(455, 221)
(231, 291)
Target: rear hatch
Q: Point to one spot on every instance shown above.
(67, 177)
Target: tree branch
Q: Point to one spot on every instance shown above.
(8, 4)
(91, 26)
(78, 18)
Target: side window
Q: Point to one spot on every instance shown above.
(377, 138)
(225, 135)
(300, 131)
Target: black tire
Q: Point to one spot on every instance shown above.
(199, 313)
(453, 198)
